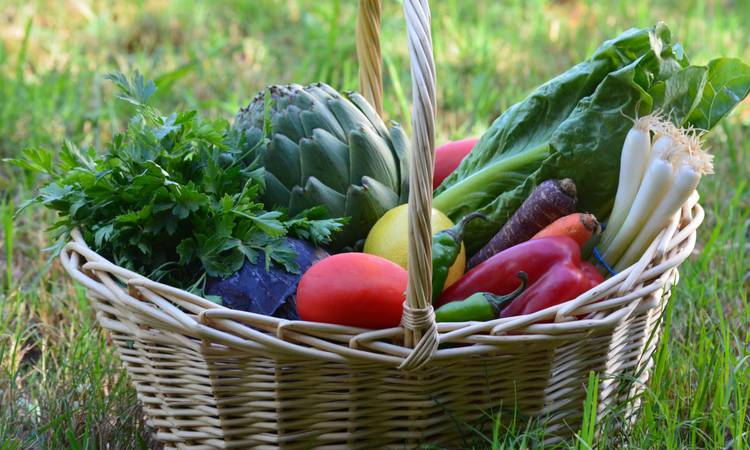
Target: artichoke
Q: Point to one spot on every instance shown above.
(321, 147)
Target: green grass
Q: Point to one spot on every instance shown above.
(60, 383)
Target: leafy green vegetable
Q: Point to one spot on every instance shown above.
(172, 197)
(574, 126)
(679, 95)
(322, 147)
(727, 84)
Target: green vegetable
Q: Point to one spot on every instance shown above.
(446, 245)
(574, 127)
(727, 83)
(174, 197)
(479, 307)
(320, 147)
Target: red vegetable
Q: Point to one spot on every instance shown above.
(497, 275)
(448, 157)
(562, 282)
(550, 200)
(354, 289)
(555, 272)
(579, 226)
(592, 273)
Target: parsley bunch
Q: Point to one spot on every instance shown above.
(174, 197)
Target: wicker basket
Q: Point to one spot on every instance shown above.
(208, 376)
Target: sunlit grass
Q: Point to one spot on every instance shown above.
(60, 383)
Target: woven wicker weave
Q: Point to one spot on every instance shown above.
(208, 376)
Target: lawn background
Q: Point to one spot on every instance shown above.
(60, 383)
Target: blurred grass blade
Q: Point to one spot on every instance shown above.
(398, 91)
(6, 210)
(21, 61)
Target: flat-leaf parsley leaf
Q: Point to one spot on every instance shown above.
(174, 197)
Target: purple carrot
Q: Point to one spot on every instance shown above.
(550, 200)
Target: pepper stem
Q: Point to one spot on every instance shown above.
(499, 302)
(457, 230)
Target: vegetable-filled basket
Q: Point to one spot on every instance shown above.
(209, 376)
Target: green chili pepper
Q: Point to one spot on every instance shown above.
(446, 245)
(479, 307)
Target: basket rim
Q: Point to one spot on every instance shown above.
(160, 306)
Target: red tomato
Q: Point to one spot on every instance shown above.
(448, 157)
(353, 289)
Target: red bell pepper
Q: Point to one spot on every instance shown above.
(497, 274)
(592, 273)
(561, 283)
(553, 266)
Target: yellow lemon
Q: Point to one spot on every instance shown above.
(389, 238)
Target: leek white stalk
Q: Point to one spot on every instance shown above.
(633, 162)
(685, 181)
(664, 146)
(655, 184)
(692, 163)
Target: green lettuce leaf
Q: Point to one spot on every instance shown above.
(679, 95)
(727, 84)
(574, 126)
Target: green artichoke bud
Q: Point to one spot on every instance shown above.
(321, 147)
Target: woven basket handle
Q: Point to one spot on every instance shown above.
(419, 318)
(368, 53)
